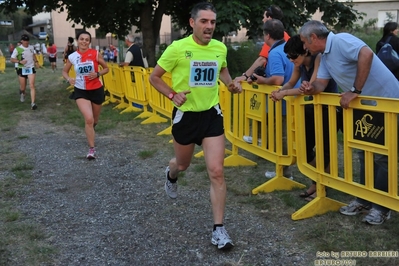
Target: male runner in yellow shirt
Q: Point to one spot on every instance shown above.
(196, 64)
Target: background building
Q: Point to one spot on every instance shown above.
(57, 27)
(374, 9)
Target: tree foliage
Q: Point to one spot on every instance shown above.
(20, 20)
(118, 16)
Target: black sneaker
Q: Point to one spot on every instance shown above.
(33, 106)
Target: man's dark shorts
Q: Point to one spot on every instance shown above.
(19, 72)
(193, 127)
(96, 96)
(52, 59)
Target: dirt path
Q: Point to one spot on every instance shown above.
(114, 211)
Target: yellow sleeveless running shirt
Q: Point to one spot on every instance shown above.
(196, 68)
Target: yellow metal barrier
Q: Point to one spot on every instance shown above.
(71, 74)
(40, 59)
(254, 108)
(116, 86)
(136, 90)
(160, 105)
(2, 64)
(371, 128)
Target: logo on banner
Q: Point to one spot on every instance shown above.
(369, 126)
(254, 103)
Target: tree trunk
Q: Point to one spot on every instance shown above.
(150, 22)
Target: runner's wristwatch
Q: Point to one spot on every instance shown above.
(354, 90)
(171, 95)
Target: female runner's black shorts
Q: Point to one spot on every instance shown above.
(96, 96)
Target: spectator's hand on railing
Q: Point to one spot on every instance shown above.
(277, 95)
(306, 88)
(346, 98)
(241, 79)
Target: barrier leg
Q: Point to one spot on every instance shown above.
(131, 109)
(154, 119)
(278, 182)
(318, 206)
(121, 105)
(167, 131)
(110, 99)
(145, 113)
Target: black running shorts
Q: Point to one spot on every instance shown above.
(193, 127)
(19, 72)
(96, 96)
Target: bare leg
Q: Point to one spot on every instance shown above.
(22, 84)
(88, 110)
(182, 160)
(96, 112)
(214, 157)
(32, 88)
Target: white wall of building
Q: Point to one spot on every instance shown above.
(62, 29)
(57, 25)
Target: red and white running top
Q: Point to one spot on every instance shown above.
(85, 63)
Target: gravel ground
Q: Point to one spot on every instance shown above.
(114, 211)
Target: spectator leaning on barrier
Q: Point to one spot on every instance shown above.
(88, 90)
(305, 69)
(134, 54)
(390, 30)
(272, 12)
(197, 117)
(25, 56)
(278, 69)
(357, 70)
